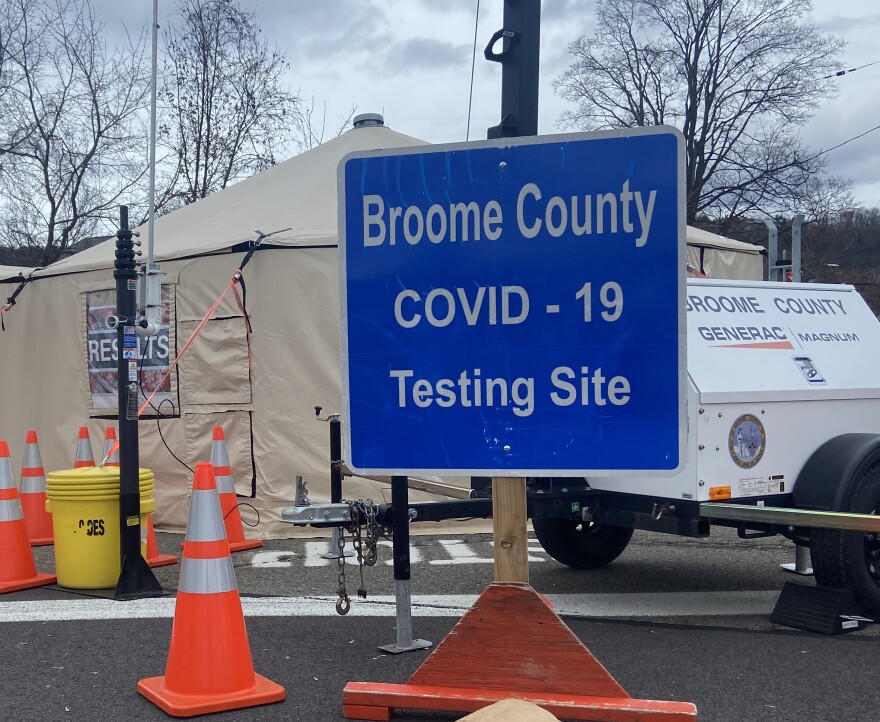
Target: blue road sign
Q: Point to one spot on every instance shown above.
(515, 307)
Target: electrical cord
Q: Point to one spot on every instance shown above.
(159, 414)
(255, 510)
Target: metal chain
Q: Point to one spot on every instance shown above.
(365, 531)
(372, 533)
(343, 604)
(358, 544)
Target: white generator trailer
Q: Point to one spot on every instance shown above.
(783, 409)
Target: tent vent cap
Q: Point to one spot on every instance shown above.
(365, 120)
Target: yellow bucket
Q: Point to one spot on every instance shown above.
(84, 504)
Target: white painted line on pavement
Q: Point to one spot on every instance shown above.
(667, 604)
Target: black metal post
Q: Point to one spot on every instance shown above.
(519, 58)
(335, 483)
(400, 528)
(335, 459)
(136, 579)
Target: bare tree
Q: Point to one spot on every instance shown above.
(737, 77)
(310, 130)
(72, 125)
(12, 17)
(226, 113)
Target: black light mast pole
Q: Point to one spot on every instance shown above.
(136, 579)
(520, 60)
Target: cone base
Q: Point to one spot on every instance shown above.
(42, 541)
(240, 546)
(161, 560)
(264, 691)
(37, 581)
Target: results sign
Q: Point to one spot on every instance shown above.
(515, 306)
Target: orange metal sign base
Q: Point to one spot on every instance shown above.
(375, 701)
(511, 643)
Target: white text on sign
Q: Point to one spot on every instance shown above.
(627, 212)
(440, 306)
(471, 389)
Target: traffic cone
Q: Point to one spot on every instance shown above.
(153, 557)
(209, 667)
(17, 568)
(84, 455)
(109, 443)
(32, 489)
(228, 500)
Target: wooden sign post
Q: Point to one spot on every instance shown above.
(509, 529)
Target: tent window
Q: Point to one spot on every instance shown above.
(155, 354)
(215, 369)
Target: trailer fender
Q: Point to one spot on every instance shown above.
(826, 480)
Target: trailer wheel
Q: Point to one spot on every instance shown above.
(851, 560)
(581, 545)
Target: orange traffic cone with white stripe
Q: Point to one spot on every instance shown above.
(32, 489)
(153, 557)
(109, 442)
(209, 667)
(228, 500)
(17, 568)
(84, 455)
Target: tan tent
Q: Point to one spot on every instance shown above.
(57, 352)
(267, 407)
(13, 273)
(719, 257)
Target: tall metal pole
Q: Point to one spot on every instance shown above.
(520, 61)
(151, 284)
(136, 579)
(152, 210)
(773, 272)
(796, 248)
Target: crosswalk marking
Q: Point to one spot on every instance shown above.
(415, 553)
(459, 553)
(273, 559)
(454, 551)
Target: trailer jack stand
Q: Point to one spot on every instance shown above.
(801, 562)
(405, 641)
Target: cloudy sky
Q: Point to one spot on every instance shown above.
(411, 61)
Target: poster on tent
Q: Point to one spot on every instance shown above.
(154, 357)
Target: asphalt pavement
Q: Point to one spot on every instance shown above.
(733, 667)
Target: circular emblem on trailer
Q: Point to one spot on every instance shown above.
(746, 441)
